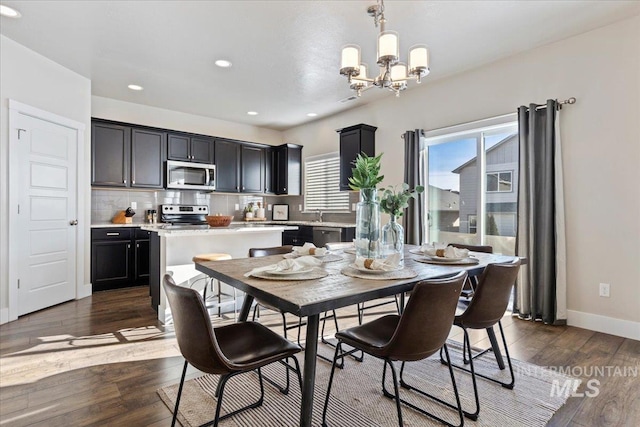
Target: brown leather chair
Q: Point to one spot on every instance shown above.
(226, 351)
(470, 284)
(419, 332)
(486, 308)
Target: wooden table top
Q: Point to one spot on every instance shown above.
(308, 297)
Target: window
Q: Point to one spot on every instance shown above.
(499, 182)
(322, 184)
(471, 172)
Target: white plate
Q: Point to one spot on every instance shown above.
(444, 259)
(368, 270)
(296, 255)
(288, 272)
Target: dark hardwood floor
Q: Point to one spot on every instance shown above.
(100, 360)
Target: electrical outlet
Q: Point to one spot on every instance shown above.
(353, 207)
(300, 208)
(237, 206)
(134, 205)
(605, 289)
(269, 207)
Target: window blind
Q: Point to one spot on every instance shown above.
(322, 184)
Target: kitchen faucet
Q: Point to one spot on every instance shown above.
(319, 215)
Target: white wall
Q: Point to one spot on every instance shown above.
(112, 109)
(601, 143)
(32, 79)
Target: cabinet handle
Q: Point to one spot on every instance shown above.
(113, 234)
(133, 182)
(285, 188)
(129, 246)
(243, 188)
(137, 245)
(124, 181)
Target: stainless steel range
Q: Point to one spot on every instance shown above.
(183, 216)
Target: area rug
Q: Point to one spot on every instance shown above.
(357, 399)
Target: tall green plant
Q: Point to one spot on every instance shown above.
(366, 173)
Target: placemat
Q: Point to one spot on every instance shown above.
(405, 273)
(326, 258)
(316, 273)
(466, 261)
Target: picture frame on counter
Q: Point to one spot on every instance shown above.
(280, 212)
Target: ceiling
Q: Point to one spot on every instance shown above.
(285, 54)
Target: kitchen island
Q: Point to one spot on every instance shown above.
(173, 247)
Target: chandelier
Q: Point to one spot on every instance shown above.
(394, 75)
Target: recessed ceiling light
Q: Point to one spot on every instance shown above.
(135, 87)
(312, 114)
(223, 63)
(9, 12)
(252, 113)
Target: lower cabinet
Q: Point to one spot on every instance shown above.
(316, 235)
(298, 237)
(119, 258)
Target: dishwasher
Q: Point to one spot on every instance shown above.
(324, 235)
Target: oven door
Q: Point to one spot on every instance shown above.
(187, 175)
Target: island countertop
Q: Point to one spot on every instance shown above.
(234, 229)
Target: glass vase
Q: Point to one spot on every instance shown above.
(367, 239)
(393, 239)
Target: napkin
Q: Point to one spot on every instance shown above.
(387, 264)
(309, 249)
(449, 251)
(288, 265)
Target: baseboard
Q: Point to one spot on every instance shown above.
(607, 325)
(4, 315)
(84, 291)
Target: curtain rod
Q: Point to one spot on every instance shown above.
(571, 100)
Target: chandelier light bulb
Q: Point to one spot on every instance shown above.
(399, 71)
(350, 60)
(388, 47)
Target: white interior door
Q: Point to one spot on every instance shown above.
(47, 213)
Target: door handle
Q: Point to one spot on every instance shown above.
(73, 222)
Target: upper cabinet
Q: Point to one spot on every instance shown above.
(227, 155)
(269, 170)
(288, 169)
(189, 148)
(252, 169)
(353, 141)
(126, 156)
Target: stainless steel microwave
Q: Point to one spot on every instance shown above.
(191, 176)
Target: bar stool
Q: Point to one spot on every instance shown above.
(212, 282)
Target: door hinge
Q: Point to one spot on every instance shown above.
(21, 130)
(18, 209)
(18, 283)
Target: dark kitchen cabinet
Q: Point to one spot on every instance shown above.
(288, 169)
(188, 148)
(353, 141)
(111, 256)
(269, 161)
(227, 156)
(147, 157)
(119, 257)
(252, 169)
(298, 237)
(110, 151)
(126, 156)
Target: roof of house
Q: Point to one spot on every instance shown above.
(495, 147)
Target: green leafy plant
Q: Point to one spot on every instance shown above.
(395, 201)
(366, 173)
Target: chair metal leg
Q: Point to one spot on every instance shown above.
(324, 341)
(175, 410)
(220, 391)
(457, 406)
(396, 395)
(333, 370)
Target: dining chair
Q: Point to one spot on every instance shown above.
(472, 281)
(486, 308)
(227, 350)
(420, 331)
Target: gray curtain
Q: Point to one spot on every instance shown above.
(541, 288)
(414, 215)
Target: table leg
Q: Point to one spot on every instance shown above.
(495, 347)
(309, 377)
(246, 308)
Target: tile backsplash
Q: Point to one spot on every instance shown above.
(105, 203)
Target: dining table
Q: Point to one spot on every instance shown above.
(330, 287)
